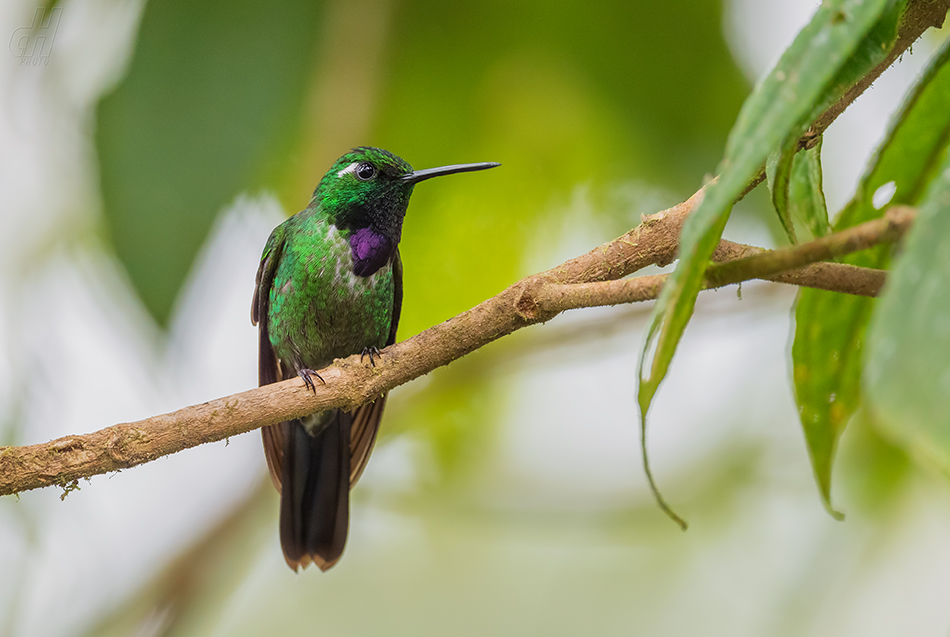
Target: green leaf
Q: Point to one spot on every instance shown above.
(826, 366)
(907, 375)
(777, 108)
(806, 199)
(213, 91)
(778, 170)
(829, 327)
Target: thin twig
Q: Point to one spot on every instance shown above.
(798, 264)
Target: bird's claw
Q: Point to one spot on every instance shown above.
(373, 353)
(307, 376)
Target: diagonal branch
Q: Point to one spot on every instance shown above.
(586, 281)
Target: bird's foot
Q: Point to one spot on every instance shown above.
(308, 375)
(373, 353)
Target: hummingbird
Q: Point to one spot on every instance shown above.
(329, 286)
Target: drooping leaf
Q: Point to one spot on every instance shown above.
(806, 198)
(826, 374)
(907, 375)
(830, 327)
(778, 107)
(778, 170)
(213, 90)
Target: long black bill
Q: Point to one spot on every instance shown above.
(421, 175)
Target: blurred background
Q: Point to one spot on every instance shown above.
(146, 151)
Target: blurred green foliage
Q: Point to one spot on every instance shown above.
(214, 100)
(559, 104)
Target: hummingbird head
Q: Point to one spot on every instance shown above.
(366, 192)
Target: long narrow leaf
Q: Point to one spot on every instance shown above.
(778, 169)
(806, 198)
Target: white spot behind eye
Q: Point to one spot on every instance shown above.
(883, 195)
(348, 169)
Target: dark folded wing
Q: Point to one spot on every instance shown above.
(268, 367)
(273, 436)
(366, 417)
(363, 435)
(397, 297)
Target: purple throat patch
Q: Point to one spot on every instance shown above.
(370, 250)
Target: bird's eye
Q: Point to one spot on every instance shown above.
(366, 171)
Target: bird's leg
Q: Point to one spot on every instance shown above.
(307, 376)
(373, 353)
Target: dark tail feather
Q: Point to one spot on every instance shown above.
(315, 494)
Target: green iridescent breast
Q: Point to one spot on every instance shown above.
(320, 309)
